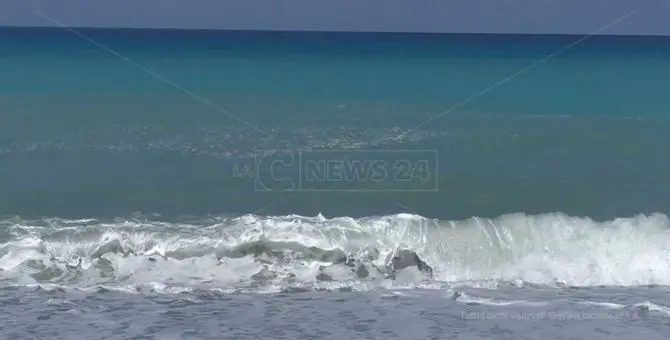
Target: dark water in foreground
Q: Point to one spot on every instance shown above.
(344, 315)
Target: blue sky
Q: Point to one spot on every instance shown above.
(476, 16)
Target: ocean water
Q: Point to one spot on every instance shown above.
(197, 184)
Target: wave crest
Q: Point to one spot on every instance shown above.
(289, 252)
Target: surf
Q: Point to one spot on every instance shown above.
(274, 253)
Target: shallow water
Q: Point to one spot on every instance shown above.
(408, 314)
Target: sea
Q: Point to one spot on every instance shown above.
(171, 184)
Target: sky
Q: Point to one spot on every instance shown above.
(651, 17)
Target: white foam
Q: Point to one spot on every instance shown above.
(465, 298)
(518, 249)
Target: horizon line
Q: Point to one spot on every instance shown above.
(231, 30)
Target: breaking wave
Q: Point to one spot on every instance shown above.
(263, 254)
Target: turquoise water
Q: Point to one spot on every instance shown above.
(87, 133)
(428, 69)
(214, 171)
